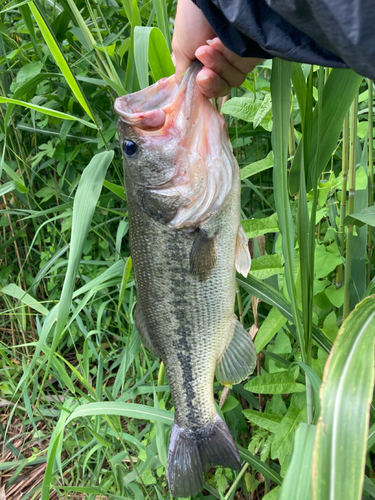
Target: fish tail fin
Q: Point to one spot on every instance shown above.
(190, 454)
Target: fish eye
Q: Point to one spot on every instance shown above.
(129, 148)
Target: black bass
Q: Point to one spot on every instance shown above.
(183, 193)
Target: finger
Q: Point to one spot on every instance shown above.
(215, 61)
(191, 30)
(182, 62)
(211, 85)
(243, 64)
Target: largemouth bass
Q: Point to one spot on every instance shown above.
(183, 194)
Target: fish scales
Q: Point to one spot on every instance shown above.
(184, 267)
(188, 318)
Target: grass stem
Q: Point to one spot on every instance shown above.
(370, 134)
(234, 486)
(351, 179)
(345, 165)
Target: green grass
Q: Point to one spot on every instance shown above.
(84, 408)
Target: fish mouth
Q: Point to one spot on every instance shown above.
(148, 109)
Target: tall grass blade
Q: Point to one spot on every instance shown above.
(59, 58)
(370, 135)
(162, 21)
(150, 48)
(280, 90)
(131, 81)
(338, 94)
(346, 394)
(46, 111)
(297, 484)
(87, 195)
(350, 228)
(265, 292)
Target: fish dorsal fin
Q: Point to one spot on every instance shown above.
(238, 358)
(243, 257)
(203, 255)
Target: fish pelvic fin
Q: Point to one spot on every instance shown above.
(203, 255)
(191, 454)
(238, 358)
(243, 257)
(142, 329)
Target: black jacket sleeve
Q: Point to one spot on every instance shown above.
(336, 33)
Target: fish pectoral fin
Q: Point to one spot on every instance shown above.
(203, 255)
(243, 257)
(141, 326)
(238, 358)
(191, 454)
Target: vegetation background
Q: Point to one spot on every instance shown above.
(85, 411)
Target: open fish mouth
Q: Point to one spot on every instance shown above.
(148, 108)
(203, 156)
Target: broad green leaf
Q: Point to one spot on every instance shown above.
(267, 265)
(150, 48)
(17, 293)
(242, 108)
(367, 216)
(270, 326)
(267, 421)
(335, 295)
(282, 382)
(46, 111)
(338, 94)
(27, 73)
(361, 180)
(330, 327)
(257, 166)
(346, 393)
(230, 403)
(325, 262)
(257, 227)
(296, 414)
(297, 484)
(264, 108)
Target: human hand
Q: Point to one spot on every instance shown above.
(223, 69)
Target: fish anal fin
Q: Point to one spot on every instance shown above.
(243, 258)
(191, 454)
(141, 326)
(203, 255)
(238, 358)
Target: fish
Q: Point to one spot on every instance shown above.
(183, 191)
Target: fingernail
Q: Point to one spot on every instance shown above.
(204, 81)
(205, 58)
(211, 42)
